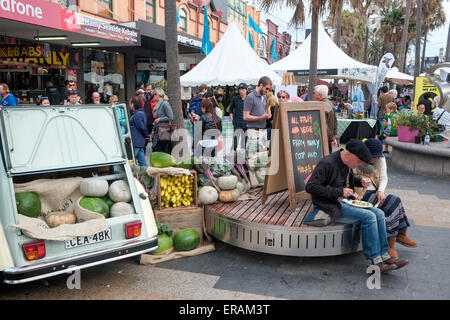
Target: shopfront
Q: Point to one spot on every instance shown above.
(51, 44)
(29, 67)
(104, 72)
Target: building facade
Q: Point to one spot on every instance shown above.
(282, 41)
(107, 46)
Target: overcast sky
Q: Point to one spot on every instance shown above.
(282, 16)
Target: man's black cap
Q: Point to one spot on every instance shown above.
(242, 85)
(359, 149)
(72, 92)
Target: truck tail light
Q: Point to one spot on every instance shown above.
(34, 250)
(133, 229)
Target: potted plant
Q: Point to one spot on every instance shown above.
(410, 126)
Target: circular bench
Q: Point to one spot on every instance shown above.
(432, 161)
(273, 228)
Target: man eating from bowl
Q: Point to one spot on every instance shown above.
(332, 180)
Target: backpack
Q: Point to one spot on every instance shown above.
(195, 107)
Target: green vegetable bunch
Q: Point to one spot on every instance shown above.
(162, 228)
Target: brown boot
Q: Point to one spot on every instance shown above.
(403, 239)
(392, 252)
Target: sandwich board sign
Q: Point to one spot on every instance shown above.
(300, 143)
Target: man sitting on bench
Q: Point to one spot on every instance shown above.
(328, 185)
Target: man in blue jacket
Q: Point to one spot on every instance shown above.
(7, 99)
(139, 131)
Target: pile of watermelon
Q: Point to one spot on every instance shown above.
(184, 240)
(102, 197)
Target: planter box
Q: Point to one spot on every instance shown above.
(407, 135)
(182, 218)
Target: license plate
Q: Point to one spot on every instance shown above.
(83, 241)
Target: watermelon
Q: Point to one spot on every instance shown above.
(165, 242)
(162, 160)
(95, 204)
(28, 204)
(186, 239)
(108, 201)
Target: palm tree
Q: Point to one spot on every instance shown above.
(173, 72)
(433, 18)
(375, 51)
(336, 7)
(403, 48)
(363, 8)
(447, 51)
(317, 8)
(418, 36)
(353, 33)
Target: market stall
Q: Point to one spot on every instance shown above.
(397, 77)
(332, 62)
(231, 62)
(356, 129)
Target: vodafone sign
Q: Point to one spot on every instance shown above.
(52, 15)
(39, 12)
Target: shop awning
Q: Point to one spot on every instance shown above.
(154, 37)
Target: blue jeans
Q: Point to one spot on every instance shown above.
(380, 123)
(139, 154)
(373, 230)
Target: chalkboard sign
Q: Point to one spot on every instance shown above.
(296, 150)
(306, 144)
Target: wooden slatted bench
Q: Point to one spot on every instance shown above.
(273, 228)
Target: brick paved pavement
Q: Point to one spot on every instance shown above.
(231, 273)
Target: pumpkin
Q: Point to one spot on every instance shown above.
(119, 191)
(227, 182)
(94, 187)
(57, 218)
(241, 187)
(229, 195)
(208, 195)
(121, 209)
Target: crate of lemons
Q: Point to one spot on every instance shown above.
(177, 191)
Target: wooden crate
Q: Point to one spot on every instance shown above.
(177, 209)
(182, 218)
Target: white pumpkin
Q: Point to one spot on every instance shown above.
(119, 191)
(241, 187)
(208, 195)
(94, 187)
(119, 209)
(227, 182)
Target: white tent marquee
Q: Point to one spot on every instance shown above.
(332, 62)
(398, 77)
(231, 62)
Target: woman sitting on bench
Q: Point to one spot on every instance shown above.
(391, 205)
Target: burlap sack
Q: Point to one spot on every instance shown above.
(153, 259)
(55, 194)
(58, 195)
(172, 171)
